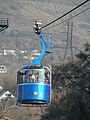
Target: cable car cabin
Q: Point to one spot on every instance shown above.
(34, 86)
(34, 79)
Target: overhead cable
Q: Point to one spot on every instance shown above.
(67, 19)
(66, 13)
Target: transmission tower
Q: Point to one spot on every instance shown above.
(3, 24)
(68, 49)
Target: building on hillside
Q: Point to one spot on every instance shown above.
(1, 52)
(9, 52)
(3, 69)
(1, 89)
(34, 54)
(5, 95)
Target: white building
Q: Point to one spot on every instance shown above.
(34, 54)
(5, 95)
(3, 69)
(9, 52)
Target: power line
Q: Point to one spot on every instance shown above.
(67, 19)
(20, 11)
(65, 14)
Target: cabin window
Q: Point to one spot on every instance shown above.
(41, 76)
(36, 76)
(33, 76)
(22, 77)
(47, 77)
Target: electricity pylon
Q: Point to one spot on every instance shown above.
(68, 49)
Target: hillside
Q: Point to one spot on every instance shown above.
(23, 13)
(70, 94)
(19, 35)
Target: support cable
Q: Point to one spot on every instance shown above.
(65, 14)
(19, 10)
(68, 19)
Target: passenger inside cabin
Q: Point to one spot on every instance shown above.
(33, 78)
(46, 81)
(30, 78)
(37, 77)
(47, 78)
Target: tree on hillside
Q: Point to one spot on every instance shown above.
(73, 82)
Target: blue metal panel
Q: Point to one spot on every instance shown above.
(18, 77)
(33, 93)
(37, 61)
(27, 71)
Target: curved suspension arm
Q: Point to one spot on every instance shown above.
(37, 61)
